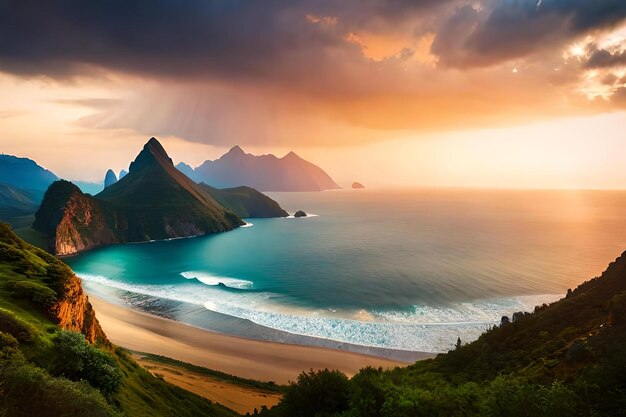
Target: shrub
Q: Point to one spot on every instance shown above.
(317, 394)
(26, 391)
(77, 360)
(38, 293)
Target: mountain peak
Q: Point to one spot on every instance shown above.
(155, 146)
(235, 150)
(109, 178)
(152, 152)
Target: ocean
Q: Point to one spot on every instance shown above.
(398, 270)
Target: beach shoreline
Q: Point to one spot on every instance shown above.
(246, 358)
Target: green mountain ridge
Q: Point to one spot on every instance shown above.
(154, 201)
(246, 201)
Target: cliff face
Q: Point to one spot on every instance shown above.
(74, 221)
(74, 312)
(47, 283)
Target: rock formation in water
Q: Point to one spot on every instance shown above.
(300, 213)
(264, 172)
(357, 185)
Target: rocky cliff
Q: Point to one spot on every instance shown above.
(47, 283)
(75, 221)
(74, 312)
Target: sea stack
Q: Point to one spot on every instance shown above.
(357, 185)
(300, 213)
(110, 178)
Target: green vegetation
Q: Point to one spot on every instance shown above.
(49, 371)
(565, 359)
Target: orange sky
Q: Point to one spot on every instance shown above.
(448, 93)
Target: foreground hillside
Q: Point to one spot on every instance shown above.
(565, 359)
(55, 360)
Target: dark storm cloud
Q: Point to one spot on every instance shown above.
(507, 29)
(183, 38)
(601, 58)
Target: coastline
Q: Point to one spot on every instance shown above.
(247, 358)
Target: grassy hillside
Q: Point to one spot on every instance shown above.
(565, 359)
(48, 370)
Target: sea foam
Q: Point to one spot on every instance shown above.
(210, 279)
(422, 328)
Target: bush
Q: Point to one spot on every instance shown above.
(317, 394)
(27, 391)
(368, 390)
(77, 360)
(38, 293)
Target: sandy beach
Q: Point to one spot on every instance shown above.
(242, 399)
(246, 358)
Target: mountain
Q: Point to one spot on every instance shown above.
(75, 221)
(160, 202)
(110, 178)
(17, 205)
(87, 187)
(185, 169)
(55, 359)
(24, 173)
(154, 201)
(122, 174)
(264, 173)
(565, 359)
(246, 202)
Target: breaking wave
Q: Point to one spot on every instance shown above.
(420, 328)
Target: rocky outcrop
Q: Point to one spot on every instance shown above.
(110, 178)
(300, 213)
(123, 173)
(74, 221)
(74, 312)
(357, 185)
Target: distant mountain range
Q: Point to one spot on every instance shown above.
(265, 172)
(153, 201)
(24, 173)
(22, 186)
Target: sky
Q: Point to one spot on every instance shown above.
(485, 93)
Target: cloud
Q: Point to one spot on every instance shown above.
(498, 31)
(315, 72)
(601, 58)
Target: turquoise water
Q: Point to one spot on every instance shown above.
(410, 270)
